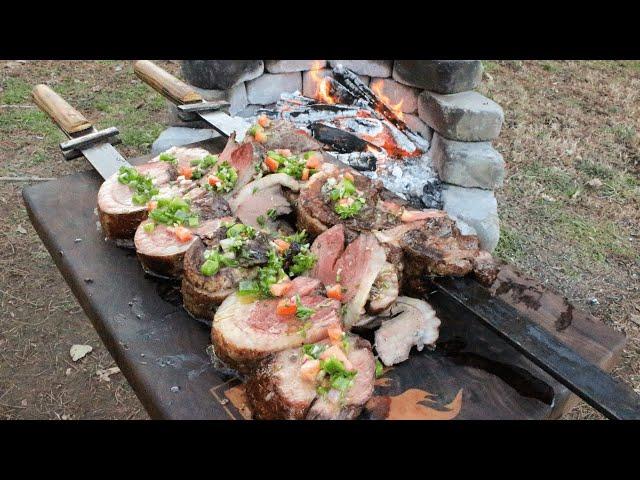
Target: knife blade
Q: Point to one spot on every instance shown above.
(610, 397)
(180, 93)
(85, 138)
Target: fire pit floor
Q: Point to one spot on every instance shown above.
(472, 374)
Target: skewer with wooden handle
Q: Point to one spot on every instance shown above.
(71, 121)
(165, 83)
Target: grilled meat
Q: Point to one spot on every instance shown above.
(413, 323)
(119, 216)
(278, 388)
(244, 333)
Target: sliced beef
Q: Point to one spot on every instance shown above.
(327, 248)
(277, 389)
(357, 268)
(256, 198)
(161, 253)
(385, 289)
(413, 323)
(246, 332)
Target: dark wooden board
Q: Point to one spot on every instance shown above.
(471, 374)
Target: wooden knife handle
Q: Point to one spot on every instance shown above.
(166, 84)
(66, 117)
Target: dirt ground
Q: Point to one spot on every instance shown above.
(569, 211)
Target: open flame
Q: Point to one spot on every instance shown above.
(397, 108)
(323, 92)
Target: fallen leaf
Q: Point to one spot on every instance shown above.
(23, 402)
(79, 351)
(21, 229)
(594, 183)
(104, 375)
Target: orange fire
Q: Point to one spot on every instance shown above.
(322, 85)
(397, 108)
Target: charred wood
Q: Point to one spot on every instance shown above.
(338, 139)
(361, 161)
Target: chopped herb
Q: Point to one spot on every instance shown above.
(302, 261)
(298, 237)
(201, 165)
(214, 260)
(302, 312)
(304, 329)
(345, 343)
(292, 165)
(167, 157)
(272, 213)
(228, 177)
(141, 184)
(261, 220)
(347, 201)
(379, 368)
(349, 210)
(149, 227)
(314, 350)
(173, 211)
(248, 288)
(338, 376)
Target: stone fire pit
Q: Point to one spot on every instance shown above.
(436, 99)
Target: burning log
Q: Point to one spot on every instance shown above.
(339, 93)
(359, 90)
(362, 161)
(338, 139)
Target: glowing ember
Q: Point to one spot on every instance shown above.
(397, 108)
(322, 85)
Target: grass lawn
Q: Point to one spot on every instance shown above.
(569, 211)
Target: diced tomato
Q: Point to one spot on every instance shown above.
(286, 307)
(335, 292)
(285, 152)
(186, 172)
(213, 180)
(264, 121)
(272, 164)
(309, 370)
(335, 333)
(305, 174)
(280, 289)
(260, 136)
(152, 205)
(348, 176)
(281, 245)
(183, 234)
(314, 161)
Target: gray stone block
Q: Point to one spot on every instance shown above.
(418, 126)
(177, 136)
(236, 96)
(371, 68)
(287, 66)
(440, 76)
(397, 92)
(466, 116)
(477, 208)
(467, 164)
(268, 87)
(220, 74)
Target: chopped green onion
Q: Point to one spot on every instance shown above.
(379, 368)
(167, 157)
(149, 227)
(302, 312)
